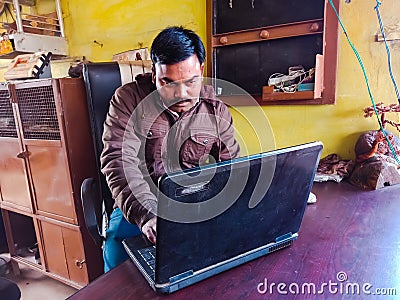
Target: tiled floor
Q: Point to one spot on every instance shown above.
(37, 286)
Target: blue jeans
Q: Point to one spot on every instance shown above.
(118, 229)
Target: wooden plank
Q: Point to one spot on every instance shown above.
(280, 96)
(319, 76)
(392, 33)
(31, 17)
(268, 33)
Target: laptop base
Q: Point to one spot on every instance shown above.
(188, 278)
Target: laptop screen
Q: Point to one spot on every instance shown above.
(212, 214)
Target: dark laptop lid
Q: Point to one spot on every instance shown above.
(263, 199)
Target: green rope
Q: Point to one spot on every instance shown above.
(367, 82)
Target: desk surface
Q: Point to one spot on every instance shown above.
(348, 240)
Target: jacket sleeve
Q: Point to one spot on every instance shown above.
(229, 148)
(120, 162)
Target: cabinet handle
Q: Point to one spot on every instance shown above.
(264, 34)
(223, 40)
(314, 27)
(80, 263)
(24, 154)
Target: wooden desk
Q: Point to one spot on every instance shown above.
(347, 230)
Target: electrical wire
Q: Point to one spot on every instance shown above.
(367, 82)
(378, 4)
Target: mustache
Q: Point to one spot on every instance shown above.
(179, 100)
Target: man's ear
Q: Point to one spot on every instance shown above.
(153, 74)
(202, 69)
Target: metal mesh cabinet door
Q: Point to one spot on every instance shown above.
(41, 122)
(14, 189)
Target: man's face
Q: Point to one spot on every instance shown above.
(179, 84)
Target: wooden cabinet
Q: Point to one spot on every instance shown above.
(46, 151)
(252, 41)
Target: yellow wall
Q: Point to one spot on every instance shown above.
(121, 25)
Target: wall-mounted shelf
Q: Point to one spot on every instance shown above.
(34, 32)
(251, 41)
(30, 43)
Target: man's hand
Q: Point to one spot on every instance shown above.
(149, 229)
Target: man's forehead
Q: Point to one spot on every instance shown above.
(184, 70)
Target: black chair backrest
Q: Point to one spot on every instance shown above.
(101, 81)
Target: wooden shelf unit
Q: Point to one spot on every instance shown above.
(46, 152)
(250, 41)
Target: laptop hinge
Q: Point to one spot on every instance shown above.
(284, 237)
(180, 276)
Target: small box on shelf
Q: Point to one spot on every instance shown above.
(305, 87)
(281, 96)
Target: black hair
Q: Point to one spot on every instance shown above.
(175, 44)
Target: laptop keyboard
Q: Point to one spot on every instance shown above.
(149, 256)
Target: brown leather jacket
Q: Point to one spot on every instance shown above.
(143, 140)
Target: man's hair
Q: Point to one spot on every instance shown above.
(175, 44)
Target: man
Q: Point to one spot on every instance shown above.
(164, 121)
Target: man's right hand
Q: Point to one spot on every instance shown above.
(149, 229)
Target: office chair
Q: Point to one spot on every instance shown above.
(101, 81)
(9, 290)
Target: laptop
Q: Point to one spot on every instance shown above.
(219, 216)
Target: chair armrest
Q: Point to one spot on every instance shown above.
(89, 196)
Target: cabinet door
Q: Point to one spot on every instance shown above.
(13, 180)
(48, 165)
(76, 261)
(53, 245)
(64, 254)
(51, 181)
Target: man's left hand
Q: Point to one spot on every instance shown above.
(149, 229)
